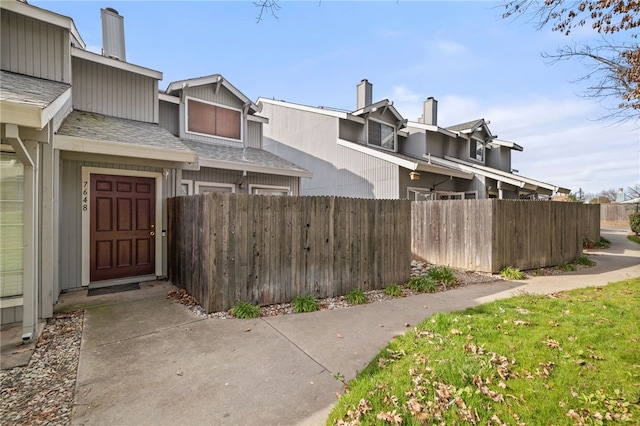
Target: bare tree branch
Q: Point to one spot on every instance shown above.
(267, 6)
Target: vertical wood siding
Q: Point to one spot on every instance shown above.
(34, 48)
(70, 235)
(227, 248)
(254, 135)
(169, 117)
(487, 235)
(110, 91)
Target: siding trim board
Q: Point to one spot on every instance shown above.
(114, 63)
(220, 164)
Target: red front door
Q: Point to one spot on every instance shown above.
(123, 211)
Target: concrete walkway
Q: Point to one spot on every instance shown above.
(146, 360)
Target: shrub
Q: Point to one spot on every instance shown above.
(305, 304)
(356, 297)
(634, 222)
(442, 275)
(566, 267)
(582, 260)
(603, 243)
(245, 310)
(393, 290)
(422, 284)
(512, 273)
(633, 238)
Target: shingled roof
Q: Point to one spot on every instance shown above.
(31, 91)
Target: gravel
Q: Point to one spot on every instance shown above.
(41, 393)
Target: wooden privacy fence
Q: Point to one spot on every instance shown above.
(228, 248)
(487, 235)
(616, 214)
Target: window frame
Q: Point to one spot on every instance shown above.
(189, 184)
(382, 123)
(200, 183)
(216, 105)
(253, 186)
(475, 142)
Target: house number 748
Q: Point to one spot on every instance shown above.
(85, 194)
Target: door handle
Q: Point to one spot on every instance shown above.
(152, 233)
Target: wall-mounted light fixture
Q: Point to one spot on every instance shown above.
(414, 175)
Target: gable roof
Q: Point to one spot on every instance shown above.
(216, 79)
(101, 134)
(383, 104)
(249, 159)
(512, 145)
(30, 101)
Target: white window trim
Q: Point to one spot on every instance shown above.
(201, 183)
(276, 188)
(189, 184)
(186, 119)
(395, 135)
(416, 189)
(484, 151)
(86, 216)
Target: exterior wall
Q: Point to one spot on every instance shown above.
(70, 235)
(414, 145)
(254, 135)
(499, 158)
(234, 177)
(309, 140)
(352, 131)
(34, 48)
(114, 92)
(170, 117)
(206, 93)
(10, 315)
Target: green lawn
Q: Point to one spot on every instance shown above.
(568, 359)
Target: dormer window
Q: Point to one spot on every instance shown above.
(380, 134)
(209, 119)
(476, 150)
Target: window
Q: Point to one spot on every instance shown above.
(204, 187)
(269, 190)
(11, 224)
(476, 150)
(446, 195)
(419, 194)
(186, 187)
(213, 120)
(380, 134)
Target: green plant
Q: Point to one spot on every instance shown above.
(393, 290)
(634, 238)
(422, 284)
(245, 310)
(442, 275)
(634, 222)
(560, 357)
(512, 273)
(603, 243)
(582, 260)
(305, 304)
(356, 297)
(566, 267)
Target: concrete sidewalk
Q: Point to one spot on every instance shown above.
(151, 361)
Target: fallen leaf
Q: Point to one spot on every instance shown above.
(456, 331)
(247, 330)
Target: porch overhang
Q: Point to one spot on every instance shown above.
(93, 146)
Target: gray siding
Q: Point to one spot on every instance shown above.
(169, 117)
(114, 92)
(70, 235)
(34, 48)
(254, 135)
(414, 145)
(352, 131)
(309, 140)
(206, 93)
(234, 177)
(10, 315)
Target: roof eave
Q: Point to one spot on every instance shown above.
(32, 116)
(125, 66)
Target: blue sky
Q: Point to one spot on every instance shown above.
(476, 64)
